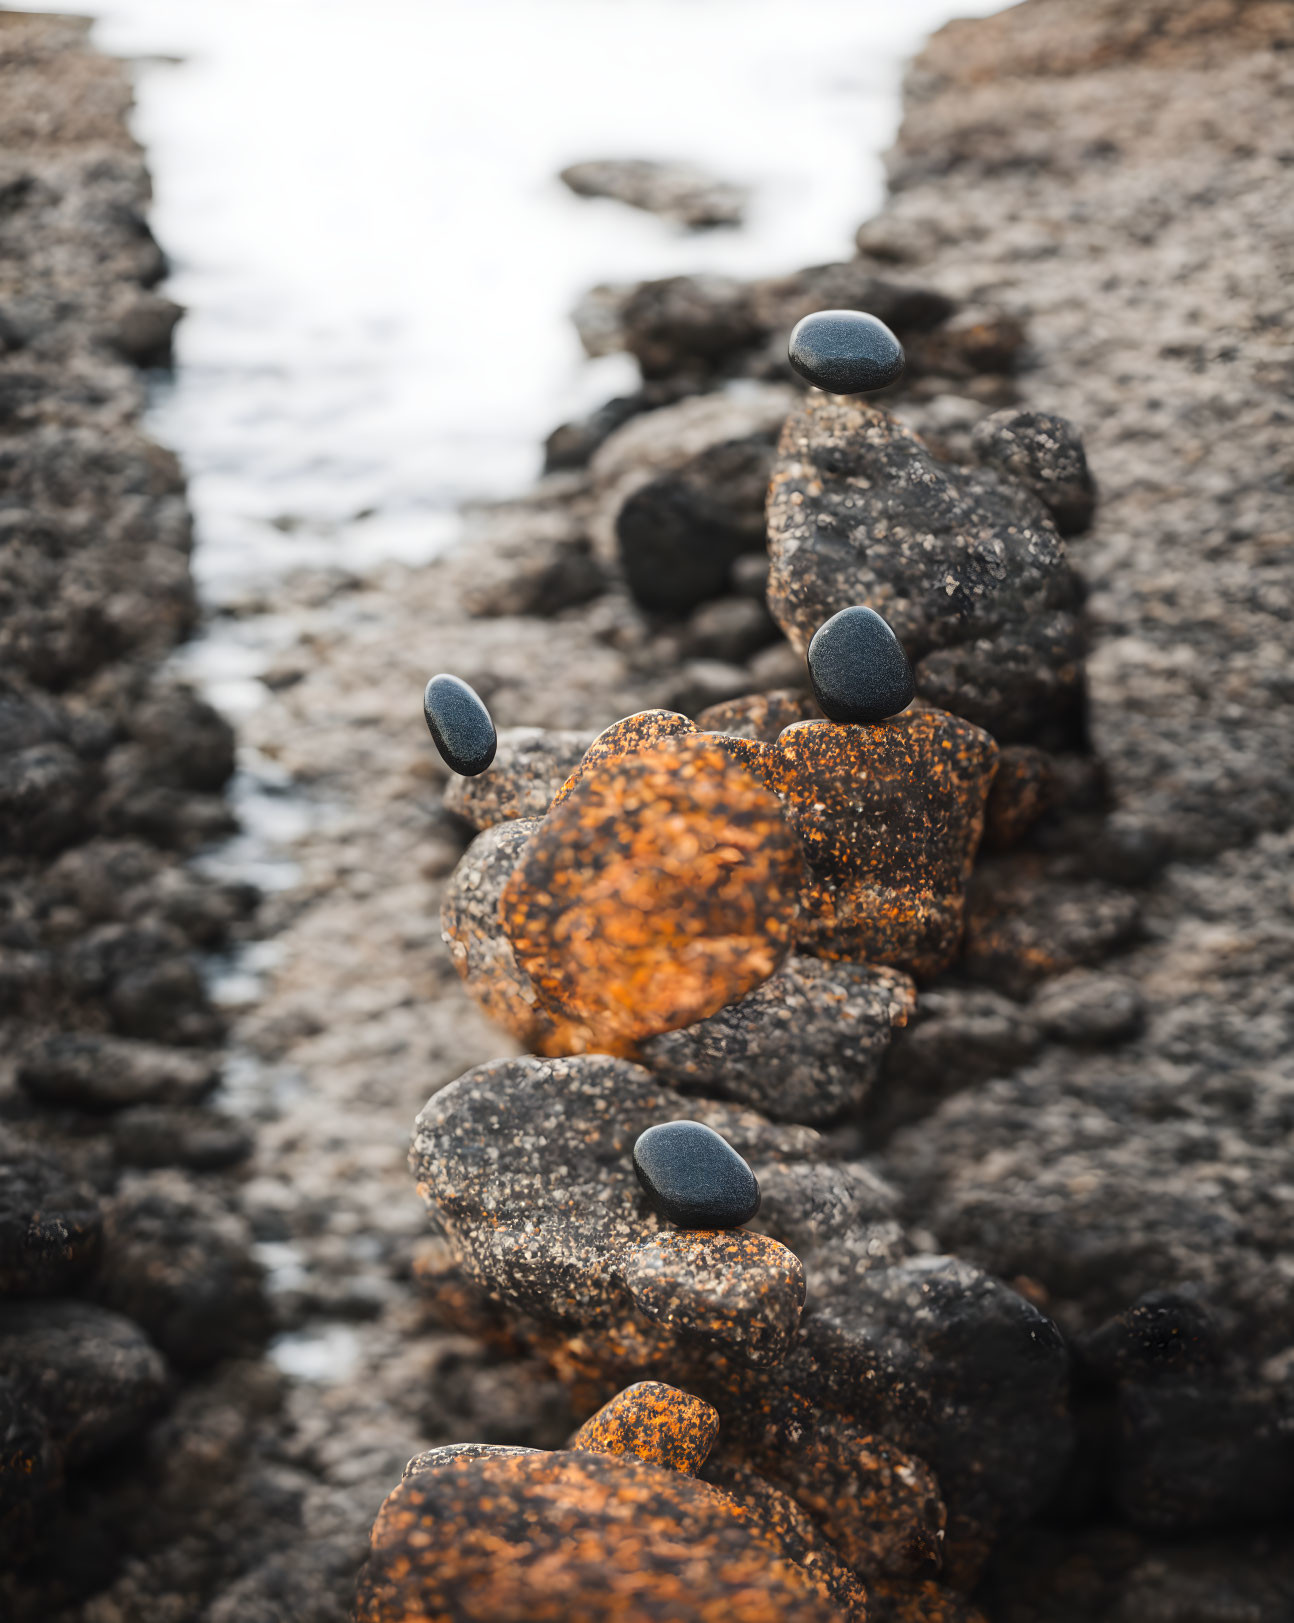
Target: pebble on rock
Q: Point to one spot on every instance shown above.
(845, 352)
(694, 1177)
(858, 668)
(460, 725)
(656, 1422)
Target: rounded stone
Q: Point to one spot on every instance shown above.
(459, 724)
(858, 668)
(694, 1177)
(845, 352)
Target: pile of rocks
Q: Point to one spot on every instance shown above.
(124, 1265)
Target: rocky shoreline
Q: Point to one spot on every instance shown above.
(1092, 1105)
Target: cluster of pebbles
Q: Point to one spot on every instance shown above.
(706, 935)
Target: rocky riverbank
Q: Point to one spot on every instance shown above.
(1090, 1105)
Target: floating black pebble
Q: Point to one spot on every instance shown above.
(695, 1178)
(845, 352)
(858, 668)
(460, 725)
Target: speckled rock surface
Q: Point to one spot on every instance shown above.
(966, 565)
(51, 1224)
(661, 888)
(801, 1047)
(1044, 453)
(923, 779)
(654, 1422)
(627, 736)
(760, 716)
(546, 1538)
(531, 765)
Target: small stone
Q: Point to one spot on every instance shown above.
(858, 668)
(51, 1226)
(460, 725)
(658, 1423)
(694, 1177)
(845, 352)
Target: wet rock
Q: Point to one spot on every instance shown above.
(1088, 1008)
(459, 724)
(693, 1177)
(654, 1422)
(845, 352)
(531, 765)
(478, 947)
(858, 668)
(1046, 454)
(93, 1375)
(677, 191)
(51, 1226)
(545, 1537)
(761, 716)
(964, 564)
(923, 778)
(92, 1071)
(736, 1291)
(662, 887)
(804, 1046)
(1023, 925)
(179, 1262)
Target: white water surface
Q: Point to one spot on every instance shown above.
(361, 210)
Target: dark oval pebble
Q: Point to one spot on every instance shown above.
(858, 668)
(460, 725)
(845, 352)
(695, 1178)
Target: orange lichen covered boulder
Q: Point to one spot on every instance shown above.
(626, 737)
(663, 886)
(739, 1291)
(655, 1422)
(889, 818)
(505, 1537)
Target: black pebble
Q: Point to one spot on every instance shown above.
(845, 352)
(695, 1178)
(858, 668)
(460, 725)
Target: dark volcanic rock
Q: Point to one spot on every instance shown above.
(1046, 454)
(543, 1538)
(923, 779)
(662, 887)
(45, 795)
(459, 724)
(93, 1375)
(531, 765)
(964, 564)
(50, 1224)
(92, 1071)
(858, 668)
(804, 1046)
(693, 1177)
(655, 1422)
(179, 1262)
(845, 352)
(30, 1469)
(627, 736)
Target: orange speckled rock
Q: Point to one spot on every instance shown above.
(1023, 789)
(482, 953)
(889, 818)
(664, 886)
(626, 737)
(737, 1290)
(658, 1423)
(762, 716)
(576, 1538)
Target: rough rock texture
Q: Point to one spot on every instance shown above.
(660, 888)
(965, 565)
(530, 766)
(657, 1423)
(51, 1226)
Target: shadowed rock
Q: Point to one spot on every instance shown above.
(965, 564)
(51, 1225)
(761, 716)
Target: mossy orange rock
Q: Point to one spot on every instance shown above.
(661, 886)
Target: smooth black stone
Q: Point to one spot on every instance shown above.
(858, 668)
(845, 352)
(460, 725)
(695, 1178)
